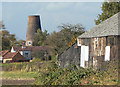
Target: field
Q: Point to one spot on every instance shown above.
(48, 73)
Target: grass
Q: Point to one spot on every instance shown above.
(26, 67)
(24, 70)
(18, 74)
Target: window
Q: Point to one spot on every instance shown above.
(0, 57)
(29, 43)
(26, 54)
(111, 41)
(79, 42)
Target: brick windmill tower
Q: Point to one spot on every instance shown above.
(33, 25)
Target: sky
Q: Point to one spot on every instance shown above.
(52, 14)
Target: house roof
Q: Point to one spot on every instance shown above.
(10, 55)
(22, 48)
(108, 27)
(31, 48)
(3, 53)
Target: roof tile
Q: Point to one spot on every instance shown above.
(10, 55)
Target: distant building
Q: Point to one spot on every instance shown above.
(2, 54)
(27, 51)
(7, 57)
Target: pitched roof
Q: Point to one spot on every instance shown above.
(10, 55)
(3, 53)
(22, 48)
(33, 48)
(107, 28)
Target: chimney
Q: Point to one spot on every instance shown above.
(24, 43)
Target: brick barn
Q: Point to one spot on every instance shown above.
(101, 43)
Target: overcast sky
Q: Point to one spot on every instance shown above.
(15, 15)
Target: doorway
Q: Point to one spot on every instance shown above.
(84, 56)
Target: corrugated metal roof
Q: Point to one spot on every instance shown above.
(107, 28)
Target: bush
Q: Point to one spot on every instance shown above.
(61, 76)
(52, 75)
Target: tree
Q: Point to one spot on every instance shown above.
(8, 40)
(39, 54)
(2, 26)
(40, 38)
(19, 42)
(109, 8)
(59, 41)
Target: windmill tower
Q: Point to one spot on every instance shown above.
(33, 25)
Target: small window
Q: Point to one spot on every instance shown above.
(29, 43)
(79, 42)
(26, 54)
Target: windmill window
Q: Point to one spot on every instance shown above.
(29, 43)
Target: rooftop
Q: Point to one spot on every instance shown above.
(108, 27)
(10, 55)
(3, 53)
(31, 48)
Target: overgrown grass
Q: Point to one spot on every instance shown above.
(24, 69)
(18, 74)
(48, 73)
(25, 66)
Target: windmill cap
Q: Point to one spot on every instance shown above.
(34, 16)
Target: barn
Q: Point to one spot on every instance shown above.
(101, 43)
